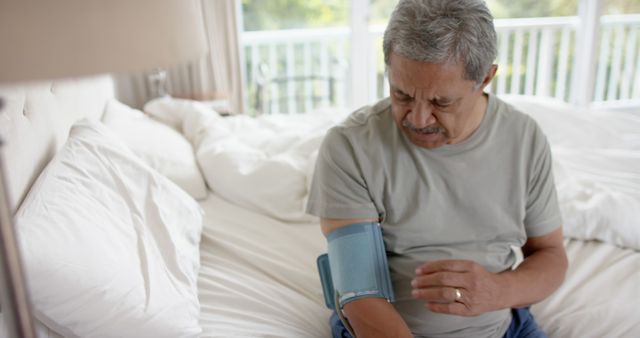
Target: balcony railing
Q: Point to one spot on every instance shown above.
(294, 71)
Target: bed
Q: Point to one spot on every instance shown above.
(218, 244)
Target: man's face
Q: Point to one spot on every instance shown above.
(432, 103)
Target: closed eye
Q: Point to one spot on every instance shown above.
(443, 103)
(402, 96)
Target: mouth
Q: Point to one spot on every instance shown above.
(423, 131)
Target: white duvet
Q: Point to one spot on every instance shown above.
(265, 164)
(596, 167)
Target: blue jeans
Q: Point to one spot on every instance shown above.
(522, 326)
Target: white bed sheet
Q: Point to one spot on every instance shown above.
(600, 296)
(257, 275)
(258, 279)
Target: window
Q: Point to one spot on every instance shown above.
(304, 54)
(295, 54)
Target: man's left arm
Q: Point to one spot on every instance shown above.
(541, 273)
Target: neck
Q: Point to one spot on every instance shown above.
(479, 109)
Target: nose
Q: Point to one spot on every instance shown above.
(421, 115)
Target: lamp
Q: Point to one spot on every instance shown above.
(44, 40)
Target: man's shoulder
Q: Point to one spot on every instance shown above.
(512, 118)
(368, 116)
(505, 109)
(364, 123)
(368, 125)
(516, 124)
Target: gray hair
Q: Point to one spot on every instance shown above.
(443, 31)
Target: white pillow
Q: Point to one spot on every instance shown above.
(110, 247)
(599, 194)
(274, 185)
(172, 111)
(262, 163)
(160, 146)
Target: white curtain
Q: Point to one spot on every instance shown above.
(221, 19)
(217, 75)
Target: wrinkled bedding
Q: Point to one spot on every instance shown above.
(265, 164)
(258, 275)
(258, 279)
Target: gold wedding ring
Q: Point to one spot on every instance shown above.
(458, 294)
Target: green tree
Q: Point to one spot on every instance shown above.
(286, 14)
(538, 8)
(621, 6)
(532, 8)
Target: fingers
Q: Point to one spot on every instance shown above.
(438, 294)
(443, 278)
(436, 283)
(445, 300)
(453, 265)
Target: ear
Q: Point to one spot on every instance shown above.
(487, 78)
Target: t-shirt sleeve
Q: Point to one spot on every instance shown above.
(339, 189)
(542, 210)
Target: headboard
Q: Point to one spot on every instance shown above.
(35, 120)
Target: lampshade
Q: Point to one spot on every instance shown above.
(62, 38)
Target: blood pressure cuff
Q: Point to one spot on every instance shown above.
(355, 266)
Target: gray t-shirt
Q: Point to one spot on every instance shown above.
(473, 200)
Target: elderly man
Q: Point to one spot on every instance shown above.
(460, 182)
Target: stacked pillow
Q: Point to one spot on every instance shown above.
(158, 145)
(264, 164)
(110, 247)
